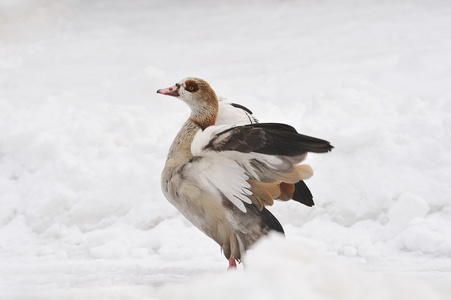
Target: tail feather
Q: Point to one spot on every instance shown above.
(302, 194)
(271, 221)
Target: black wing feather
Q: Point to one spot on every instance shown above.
(267, 138)
(242, 107)
(302, 194)
(271, 221)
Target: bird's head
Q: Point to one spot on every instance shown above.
(199, 96)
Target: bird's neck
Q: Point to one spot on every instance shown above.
(180, 150)
(204, 122)
(204, 116)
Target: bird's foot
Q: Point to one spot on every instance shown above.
(232, 263)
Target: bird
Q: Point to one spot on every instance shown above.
(224, 167)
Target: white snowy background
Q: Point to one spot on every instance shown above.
(84, 136)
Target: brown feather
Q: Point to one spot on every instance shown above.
(257, 202)
(264, 192)
(286, 191)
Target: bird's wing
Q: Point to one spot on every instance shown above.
(253, 163)
(234, 114)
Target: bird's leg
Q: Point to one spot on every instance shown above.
(232, 263)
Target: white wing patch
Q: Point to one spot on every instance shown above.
(227, 177)
(202, 138)
(218, 170)
(228, 114)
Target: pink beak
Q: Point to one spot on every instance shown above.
(170, 91)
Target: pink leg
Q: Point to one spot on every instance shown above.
(232, 263)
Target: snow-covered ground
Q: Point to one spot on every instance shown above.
(83, 139)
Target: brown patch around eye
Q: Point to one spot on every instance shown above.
(191, 86)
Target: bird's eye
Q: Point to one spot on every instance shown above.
(191, 86)
(177, 85)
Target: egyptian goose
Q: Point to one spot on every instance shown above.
(224, 167)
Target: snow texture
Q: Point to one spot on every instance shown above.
(84, 136)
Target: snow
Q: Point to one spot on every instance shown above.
(406, 208)
(84, 138)
(301, 273)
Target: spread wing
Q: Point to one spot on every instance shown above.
(255, 163)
